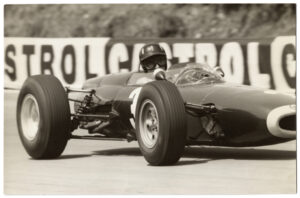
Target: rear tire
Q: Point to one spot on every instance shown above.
(161, 123)
(43, 117)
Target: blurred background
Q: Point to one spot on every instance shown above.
(151, 20)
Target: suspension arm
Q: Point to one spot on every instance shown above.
(68, 90)
(96, 137)
(200, 110)
(103, 117)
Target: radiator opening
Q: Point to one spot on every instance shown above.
(288, 123)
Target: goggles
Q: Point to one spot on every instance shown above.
(151, 62)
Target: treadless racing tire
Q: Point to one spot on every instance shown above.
(43, 117)
(161, 123)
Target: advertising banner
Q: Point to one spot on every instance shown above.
(268, 63)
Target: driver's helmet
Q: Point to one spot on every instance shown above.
(151, 56)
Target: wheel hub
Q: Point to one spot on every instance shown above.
(149, 124)
(30, 117)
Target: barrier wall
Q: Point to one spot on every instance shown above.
(268, 63)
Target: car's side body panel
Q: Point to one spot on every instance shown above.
(242, 110)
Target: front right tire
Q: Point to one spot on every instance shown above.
(161, 123)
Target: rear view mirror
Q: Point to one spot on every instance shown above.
(219, 71)
(159, 74)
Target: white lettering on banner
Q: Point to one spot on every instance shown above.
(136, 56)
(10, 56)
(183, 51)
(168, 51)
(16, 63)
(291, 65)
(68, 63)
(256, 78)
(97, 52)
(67, 58)
(206, 53)
(73, 60)
(232, 62)
(277, 48)
(32, 61)
(47, 58)
(117, 54)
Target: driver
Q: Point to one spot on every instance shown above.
(152, 56)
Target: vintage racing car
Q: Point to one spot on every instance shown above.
(189, 104)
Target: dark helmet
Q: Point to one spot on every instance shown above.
(152, 55)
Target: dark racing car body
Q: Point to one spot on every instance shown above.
(242, 111)
(191, 105)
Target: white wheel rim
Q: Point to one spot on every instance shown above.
(148, 123)
(30, 117)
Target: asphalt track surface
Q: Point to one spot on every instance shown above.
(113, 168)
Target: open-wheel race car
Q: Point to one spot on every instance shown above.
(189, 104)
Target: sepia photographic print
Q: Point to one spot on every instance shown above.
(149, 99)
